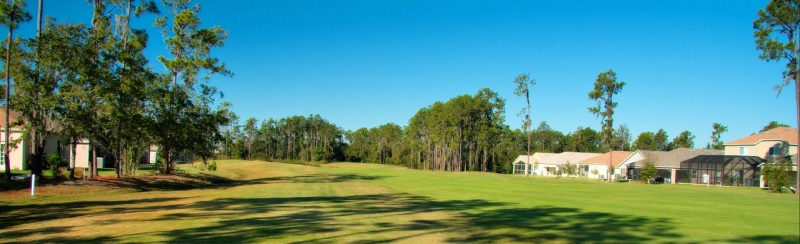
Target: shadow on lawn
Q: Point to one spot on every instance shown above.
(353, 219)
(14, 215)
(764, 239)
(209, 181)
(358, 219)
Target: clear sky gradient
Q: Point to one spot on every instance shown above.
(358, 64)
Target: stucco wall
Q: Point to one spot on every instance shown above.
(761, 149)
(16, 156)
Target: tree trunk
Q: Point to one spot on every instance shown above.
(74, 153)
(92, 163)
(8, 100)
(797, 107)
(797, 103)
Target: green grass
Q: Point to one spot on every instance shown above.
(357, 203)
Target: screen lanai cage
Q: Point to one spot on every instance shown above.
(728, 170)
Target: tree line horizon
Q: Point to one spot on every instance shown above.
(465, 133)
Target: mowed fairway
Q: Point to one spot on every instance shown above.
(361, 203)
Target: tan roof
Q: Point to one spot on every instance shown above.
(571, 157)
(13, 118)
(673, 159)
(616, 156)
(781, 133)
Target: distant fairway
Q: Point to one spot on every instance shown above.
(363, 203)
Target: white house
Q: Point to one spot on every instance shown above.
(547, 163)
(597, 167)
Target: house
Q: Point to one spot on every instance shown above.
(17, 155)
(525, 163)
(21, 155)
(150, 156)
(770, 145)
(547, 164)
(667, 164)
(597, 166)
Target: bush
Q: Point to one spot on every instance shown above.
(776, 174)
(212, 166)
(56, 164)
(158, 167)
(648, 172)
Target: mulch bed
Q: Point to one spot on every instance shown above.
(46, 187)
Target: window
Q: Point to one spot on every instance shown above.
(743, 151)
(694, 173)
(774, 151)
(2, 154)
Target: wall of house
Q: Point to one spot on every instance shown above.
(761, 149)
(81, 155)
(153, 155)
(602, 171)
(542, 169)
(18, 155)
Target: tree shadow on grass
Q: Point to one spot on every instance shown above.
(14, 215)
(352, 219)
(764, 239)
(313, 178)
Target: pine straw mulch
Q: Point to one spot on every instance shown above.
(49, 187)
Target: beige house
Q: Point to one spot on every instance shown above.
(769, 145)
(548, 164)
(775, 143)
(597, 166)
(20, 154)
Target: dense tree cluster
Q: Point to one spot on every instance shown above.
(302, 138)
(93, 82)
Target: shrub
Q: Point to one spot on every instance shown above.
(212, 166)
(776, 174)
(56, 164)
(648, 172)
(158, 167)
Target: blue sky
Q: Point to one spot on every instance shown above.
(365, 63)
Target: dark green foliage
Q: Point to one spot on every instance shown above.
(683, 140)
(777, 33)
(622, 138)
(212, 166)
(158, 166)
(648, 172)
(605, 87)
(717, 131)
(300, 138)
(651, 141)
(54, 161)
(56, 164)
(772, 125)
(776, 174)
(458, 135)
(584, 139)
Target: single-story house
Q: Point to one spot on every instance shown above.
(597, 166)
(548, 164)
(21, 155)
(528, 164)
(666, 163)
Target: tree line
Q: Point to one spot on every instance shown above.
(92, 82)
(465, 133)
